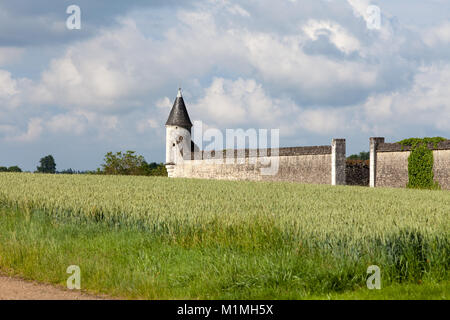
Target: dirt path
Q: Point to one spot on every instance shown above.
(18, 289)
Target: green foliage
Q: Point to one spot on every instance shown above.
(48, 165)
(155, 169)
(420, 162)
(413, 142)
(361, 156)
(129, 163)
(10, 169)
(420, 168)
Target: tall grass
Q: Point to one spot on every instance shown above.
(318, 238)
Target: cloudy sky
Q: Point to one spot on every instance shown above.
(312, 68)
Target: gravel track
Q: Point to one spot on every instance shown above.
(19, 289)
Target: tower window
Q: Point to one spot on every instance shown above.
(173, 145)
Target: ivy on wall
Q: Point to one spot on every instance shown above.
(420, 162)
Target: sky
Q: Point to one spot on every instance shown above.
(314, 69)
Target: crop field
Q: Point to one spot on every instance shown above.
(159, 238)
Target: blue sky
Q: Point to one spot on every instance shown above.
(310, 68)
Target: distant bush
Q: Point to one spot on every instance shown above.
(361, 156)
(155, 169)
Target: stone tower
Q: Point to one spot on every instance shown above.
(178, 134)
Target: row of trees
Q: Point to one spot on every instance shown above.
(119, 163)
(48, 165)
(10, 169)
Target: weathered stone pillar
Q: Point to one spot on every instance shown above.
(374, 142)
(338, 162)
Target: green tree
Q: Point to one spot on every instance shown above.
(159, 170)
(14, 169)
(3, 169)
(127, 163)
(48, 165)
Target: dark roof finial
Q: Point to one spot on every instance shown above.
(178, 115)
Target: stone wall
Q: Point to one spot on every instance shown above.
(441, 168)
(389, 161)
(392, 169)
(314, 169)
(310, 165)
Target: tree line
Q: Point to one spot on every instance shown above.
(119, 163)
(10, 169)
(361, 156)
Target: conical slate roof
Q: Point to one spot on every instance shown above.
(178, 115)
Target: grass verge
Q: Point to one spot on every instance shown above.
(136, 264)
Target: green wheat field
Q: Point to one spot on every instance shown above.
(159, 238)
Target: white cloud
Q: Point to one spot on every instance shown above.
(163, 103)
(10, 54)
(340, 37)
(238, 102)
(101, 122)
(438, 35)
(144, 125)
(34, 130)
(238, 10)
(323, 121)
(8, 86)
(426, 103)
(10, 91)
(379, 106)
(360, 7)
(88, 76)
(244, 102)
(117, 69)
(67, 123)
(282, 62)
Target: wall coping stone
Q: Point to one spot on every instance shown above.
(288, 151)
